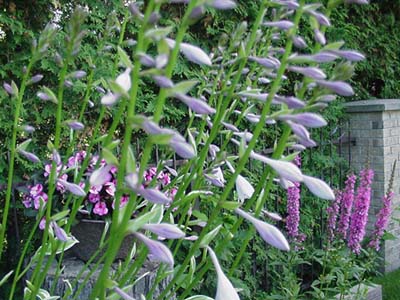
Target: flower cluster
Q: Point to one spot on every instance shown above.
(293, 206)
(100, 199)
(347, 204)
(333, 211)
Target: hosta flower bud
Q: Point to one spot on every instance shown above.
(157, 250)
(299, 42)
(72, 187)
(78, 74)
(192, 53)
(36, 78)
(312, 72)
(59, 232)
(75, 125)
(123, 294)
(165, 230)
(266, 62)
(222, 4)
(152, 195)
(163, 82)
(284, 25)
(43, 96)
(198, 106)
(109, 99)
(8, 88)
(68, 83)
(306, 119)
(28, 128)
(357, 1)
(124, 80)
(349, 55)
(146, 60)
(29, 156)
(319, 37)
(339, 87)
(244, 188)
(318, 187)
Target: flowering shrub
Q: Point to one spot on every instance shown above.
(239, 91)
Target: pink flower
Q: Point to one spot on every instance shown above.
(59, 186)
(40, 200)
(94, 198)
(333, 211)
(124, 201)
(359, 216)
(95, 189)
(100, 208)
(36, 190)
(346, 205)
(382, 221)
(165, 179)
(42, 224)
(110, 188)
(71, 161)
(27, 200)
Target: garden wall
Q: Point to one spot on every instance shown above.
(374, 127)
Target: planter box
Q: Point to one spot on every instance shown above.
(364, 292)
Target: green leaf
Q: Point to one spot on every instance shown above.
(230, 205)
(23, 145)
(333, 46)
(53, 97)
(131, 161)
(60, 215)
(135, 224)
(159, 33)
(123, 56)
(182, 87)
(14, 89)
(210, 236)
(160, 139)
(109, 157)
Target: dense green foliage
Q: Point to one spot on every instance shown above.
(390, 285)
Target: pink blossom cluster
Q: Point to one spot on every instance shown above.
(100, 199)
(359, 216)
(381, 221)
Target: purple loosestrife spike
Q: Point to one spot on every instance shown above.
(157, 250)
(165, 230)
(359, 217)
(163, 82)
(319, 37)
(299, 42)
(8, 88)
(293, 210)
(29, 156)
(311, 120)
(222, 4)
(75, 125)
(269, 233)
(198, 106)
(346, 205)
(285, 169)
(244, 188)
(284, 25)
(333, 212)
(122, 294)
(153, 195)
(59, 232)
(382, 221)
(109, 99)
(36, 78)
(72, 187)
(225, 289)
(311, 72)
(349, 55)
(124, 80)
(101, 176)
(339, 87)
(318, 187)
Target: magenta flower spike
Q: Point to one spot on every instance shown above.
(225, 289)
(339, 87)
(333, 212)
(293, 210)
(157, 250)
(198, 106)
(359, 217)
(318, 187)
(165, 230)
(346, 205)
(72, 188)
(269, 233)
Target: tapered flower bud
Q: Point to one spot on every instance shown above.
(319, 37)
(339, 87)
(222, 4)
(152, 195)
(192, 53)
(72, 187)
(198, 106)
(36, 78)
(318, 187)
(109, 99)
(299, 42)
(123, 294)
(8, 88)
(29, 156)
(146, 60)
(163, 82)
(284, 24)
(357, 1)
(124, 80)
(266, 62)
(59, 232)
(101, 175)
(244, 188)
(350, 55)
(311, 120)
(157, 250)
(75, 125)
(165, 230)
(312, 72)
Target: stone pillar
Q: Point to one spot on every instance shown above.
(375, 127)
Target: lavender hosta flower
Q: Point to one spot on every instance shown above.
(72, 188)
(100, 176)
(269, 233)
(43, 96)
(319, 37)
(272, 215)
(318, 187)
(135, 11)
(35, 79)
(382, 221)
(321, 57)
(198, 106)
(197, 12)
(28, 128)
(216, 177)
(339, 87)
(359, 217)
(165, 230)
(357, 2)
(29, 156)
(285, 169)
(266, 62)
(152, 195)
(161, 61)
(283, 24)
(75, 125)
(109, 99)
(163, 82)
(321, 18)
(312, 72)
(222, 4)
(56, 157)
(123, 294)
(68, 83)
(349, 55)
(181, 147)
(333, 212)
(192, 53)
(302, 134)
(8, 88)
(346, 205)
(225, 289)
(146, 60)
(78, 74)
(59, 232)
(299, 42)
(247, 136)
(157, 250)
(230, 127)
(290, 101)
(311, 120)
(244, 188)
(124, 80)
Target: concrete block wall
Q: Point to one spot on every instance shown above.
(375, 127)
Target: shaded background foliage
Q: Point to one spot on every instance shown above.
(374, 30)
